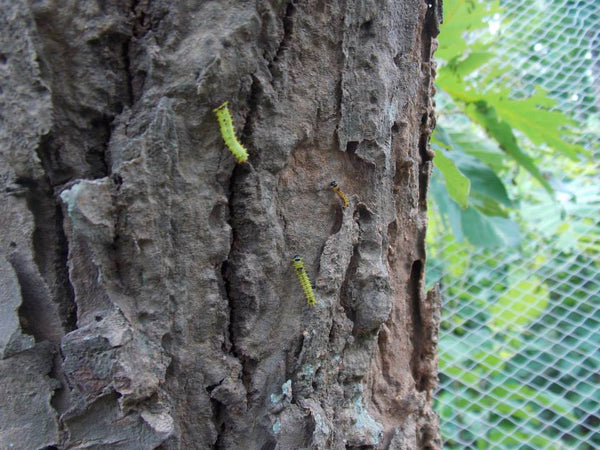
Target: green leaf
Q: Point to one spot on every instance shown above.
(457, 184)
(463, 66)
(486, 116)
(473, 141)
(449, 209)
(532, 117)
(520, 304)
(462, 16)
(489, 231)
(484, 181)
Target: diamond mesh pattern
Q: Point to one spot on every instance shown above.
(520, 338)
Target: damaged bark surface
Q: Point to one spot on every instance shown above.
(147, 295)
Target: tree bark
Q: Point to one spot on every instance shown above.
(147, 293)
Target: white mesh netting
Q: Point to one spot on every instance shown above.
(520, 338)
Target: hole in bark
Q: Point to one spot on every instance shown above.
(347, 290)
(219, 418)
(338, 218)
(212, 387)
(414, 293)
(96, 156)
(416, 277)
(352, 146)
(366, 29)
(98, 318)
(423, 185)
(398, 59)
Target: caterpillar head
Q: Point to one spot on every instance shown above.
(297, 262)
(333, 183)
(223, 106)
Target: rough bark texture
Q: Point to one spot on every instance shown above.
(147, 296)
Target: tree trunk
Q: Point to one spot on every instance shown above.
(148, 296)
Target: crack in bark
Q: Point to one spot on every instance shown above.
(345, 295)
(230, 347)
(49, 241)
(415, 288)
(288, 29)
(254, 97)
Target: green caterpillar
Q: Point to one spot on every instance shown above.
(228, 132)
(336, 189)
(304, 280)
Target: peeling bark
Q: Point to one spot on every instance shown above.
(147, 294)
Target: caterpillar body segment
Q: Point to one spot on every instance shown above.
(238, 151)
(304, 280)
(340, 194)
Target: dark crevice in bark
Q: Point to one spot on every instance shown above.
(220, 419)
(68, 306)
(256, 92)
(50, 253)
(426, 155)
(366, 30)
(254, 97)
(139, 27)
(424, 175)
(98, 157)
(125, 52)
(346, 290)
(144, 21)
(430, 30)
(288, 29)
(226, 269)
(351, 147)
(230, 345)
(414, 295)
(48, 151)
(433, 17)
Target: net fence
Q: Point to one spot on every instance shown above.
(520, 338)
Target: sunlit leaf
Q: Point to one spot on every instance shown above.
(461, 16)
(461, 67)
(457, 184)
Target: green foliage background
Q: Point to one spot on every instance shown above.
(514, 238)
